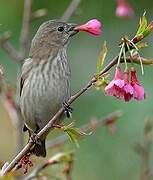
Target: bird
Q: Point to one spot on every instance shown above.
(45, 78)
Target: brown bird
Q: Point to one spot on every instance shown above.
(45, 77)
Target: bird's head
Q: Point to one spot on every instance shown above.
(52, 34)
(56, 31)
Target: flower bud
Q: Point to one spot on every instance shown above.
(93, 27)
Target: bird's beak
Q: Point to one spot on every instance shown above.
(70, 29)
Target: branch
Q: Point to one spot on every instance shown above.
(89, 127)
(6, 96)
(24, 37)
(146, 156)
(70, 10)
(8, 48)
(144, 150)
(12, 52)
(56, 159)
(38, 14)
(135, 59)
(68, 170)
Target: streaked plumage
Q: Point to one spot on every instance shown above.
(45, 79)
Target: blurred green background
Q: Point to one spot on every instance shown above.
(100, 156)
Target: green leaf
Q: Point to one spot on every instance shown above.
(149, 29)
(102, 82)
(142, 25)
(74, 133)
(101, 57)
(144, 29)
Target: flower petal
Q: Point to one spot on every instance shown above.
(128, 92)
(115, 88)
(93, 26)
(139, 93)
(124, 9)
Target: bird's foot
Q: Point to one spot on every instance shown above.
(34, 138)
(67, 110)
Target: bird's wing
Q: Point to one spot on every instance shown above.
(27, 66)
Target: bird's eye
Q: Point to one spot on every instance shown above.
(61, 28)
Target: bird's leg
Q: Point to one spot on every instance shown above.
(34, 137)
(67, 110)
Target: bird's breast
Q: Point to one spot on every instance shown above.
(47, 87)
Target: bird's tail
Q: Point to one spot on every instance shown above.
(39, 149)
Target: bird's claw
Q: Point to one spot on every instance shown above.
(67, 110)
(35, 138)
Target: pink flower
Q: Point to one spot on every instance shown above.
(115, 87)
(122, 88)
(93, 26)
(128, 89)
(139, 93)
(124, 9)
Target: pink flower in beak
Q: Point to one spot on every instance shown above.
(93, 27)
(128, 89)
(124, 9)
(115, 87)
(139, 93)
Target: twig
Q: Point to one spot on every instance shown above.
(146, 156)
(57, 158)
(38, 14)
(8, 48)
(70, 10)
(24, 37)
(144, 150)
(12, 52)
(68, 170)
(89, 127)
